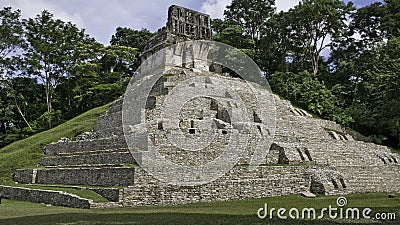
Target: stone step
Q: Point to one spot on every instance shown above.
(111, 194)
(107, 158)
(107, 205)
(336, 152)
(56, 198)
(86, 146)
(106, 176)
(86, 166)
(330, 154)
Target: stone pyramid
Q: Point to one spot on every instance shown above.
(294, 151)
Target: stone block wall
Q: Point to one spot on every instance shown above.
(111, 158)
(82, 146)
(239, 183)
(23, 176)
(111, 176)
(111, 194)
(56, 198)
(361, 179)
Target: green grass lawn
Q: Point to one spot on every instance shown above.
(232, 212)
(28, 152)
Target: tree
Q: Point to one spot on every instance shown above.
(375, 23)
(377, 97)
(315, 24)
(370, 27)
(310, 94)
(391, 18)
(229, 32)
(11, 32)
(100, 78)
(50, 52)
(131, 38)
(275, 49)
(251, 15)
(366, 22)
(11, 40)
(22, 102)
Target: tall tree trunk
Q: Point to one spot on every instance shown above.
(315, 65)
(48, 98)
(21, 113)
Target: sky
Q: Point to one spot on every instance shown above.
(100, 18)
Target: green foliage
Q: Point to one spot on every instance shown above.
(313, 25)
(11, 32)
(131, 38)
(391, 18)
(379, 139)
(42, 122)
(308, 93)
(376, 22)
(250, 15)
(229, 32)
(101, 78)
(377, 108)
(134, 39)
(50, 54)
(56, 71)
(18, 111)
(275, 47)
(293, 41)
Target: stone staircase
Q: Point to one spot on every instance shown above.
(374, 178)
(102, 165)
(98, 161)
(92, 162)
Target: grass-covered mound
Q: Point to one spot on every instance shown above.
(27, 153)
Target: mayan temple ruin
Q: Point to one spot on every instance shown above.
(197, 113)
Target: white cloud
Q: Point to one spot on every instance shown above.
(215, 8)
(100, 18)
(29, 10)
(285, 5)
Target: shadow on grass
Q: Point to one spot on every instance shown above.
(160, 219)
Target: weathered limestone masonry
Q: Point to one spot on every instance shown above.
(43, 196)
(307, 154)
(183, 24)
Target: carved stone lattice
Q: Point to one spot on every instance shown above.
(182, 25)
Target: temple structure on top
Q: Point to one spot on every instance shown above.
(189, 23)
(182, 25)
